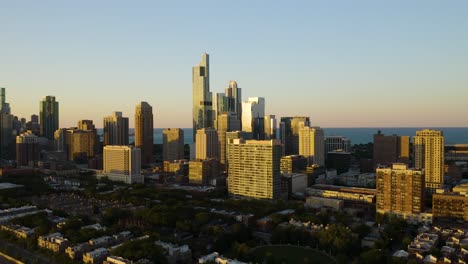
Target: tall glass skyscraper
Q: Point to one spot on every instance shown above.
(202, 98)
(144, 131)
(49, 116)
(6, 127)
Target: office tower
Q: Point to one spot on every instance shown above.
(6, 127)
(293, 164)
(390, 149)
(225, 122)
(49, 117)
(337, 143)
(173, 144)
(115, 129)
(289, 133)
(254, 168)
(253, 117)
(202, 99)
(312, 145)
(202, 171)
(234, 99)
(270, 127)
(220, 105)
(207, 145)
(429, 155)
(144, 130)
(123, 163)
(400, 191)
(27, 149)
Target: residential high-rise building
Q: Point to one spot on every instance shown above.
(173, 144)
(49, 116)
(115, 129)
(202, 98)
(234, 99)
(312, 144)
(225, 122)
(81, 144)
(293, 164)
(337, 143)
(123, 163)
(270, 127)
(254, 168)
(450, 206)
(289, 133)
(6, 127)
(207, 145)
(400, 191)
(202, 171)
(88, 125)
(390, 149)
(429, 155)
(253, 117)
(144, 130)
(27, 149)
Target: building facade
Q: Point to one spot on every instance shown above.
(202, 99)
(289, 133)
(202, 171)
(49, 117)
(253, 117)
(429, 155)
(400, 191)
(226, 122)
(207, 145)
(390, 149)
(173, 144)
(254, 168)
(337, 143)
(234, 99)
(116, 129)
(123, 163)
(144, 130)
(27, 149)
(270, 127)
(312, 145)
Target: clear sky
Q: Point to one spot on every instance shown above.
(343, 63)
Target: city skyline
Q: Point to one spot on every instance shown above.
(404, 57)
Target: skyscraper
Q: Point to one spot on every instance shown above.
(254, 168)
(6, 127)
(312, 145)
(234, 99)
(122, 163)
(202, 98)
(220, 104)
(49, 116)
(429, 155)
(289, 133)
(390, 149)
(88, 125)
(144, 129)
(207, 145)
(80, 144)
(270, 127)
(115, 129)
(253, 117)
(173, 144)
(400, 191)
(226, 122)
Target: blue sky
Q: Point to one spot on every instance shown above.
(343, 63)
